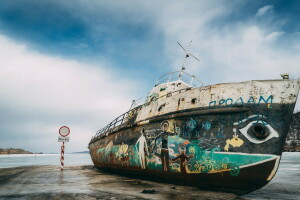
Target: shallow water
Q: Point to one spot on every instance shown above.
(17, 160)
(285, 184)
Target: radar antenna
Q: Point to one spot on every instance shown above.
(187, 54)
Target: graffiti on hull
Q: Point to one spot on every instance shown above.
(242, 101)
(193, 145)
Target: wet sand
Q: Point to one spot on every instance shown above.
(87, 182)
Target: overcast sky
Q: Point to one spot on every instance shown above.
(80, 63)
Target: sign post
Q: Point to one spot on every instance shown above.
(64, 131)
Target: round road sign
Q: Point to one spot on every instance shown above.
(64, 131)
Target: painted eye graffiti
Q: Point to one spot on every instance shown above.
(258, 130)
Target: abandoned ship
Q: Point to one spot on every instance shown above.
(226, 137)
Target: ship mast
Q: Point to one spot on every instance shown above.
(187, 55)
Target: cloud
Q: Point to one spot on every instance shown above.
(40, 93)
(84, 31)
(235, 51)
(262, 11)
(273, 36)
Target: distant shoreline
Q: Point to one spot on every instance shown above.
(13, 151)
(292, 148)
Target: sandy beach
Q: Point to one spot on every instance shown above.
(87, 182)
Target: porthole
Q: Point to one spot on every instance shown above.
(194, 100)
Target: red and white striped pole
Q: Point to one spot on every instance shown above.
(64, 131)
(62, 152)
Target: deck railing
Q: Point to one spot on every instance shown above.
(117, 123)
(190, 80)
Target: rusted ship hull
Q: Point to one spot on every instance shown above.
(221, 137)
